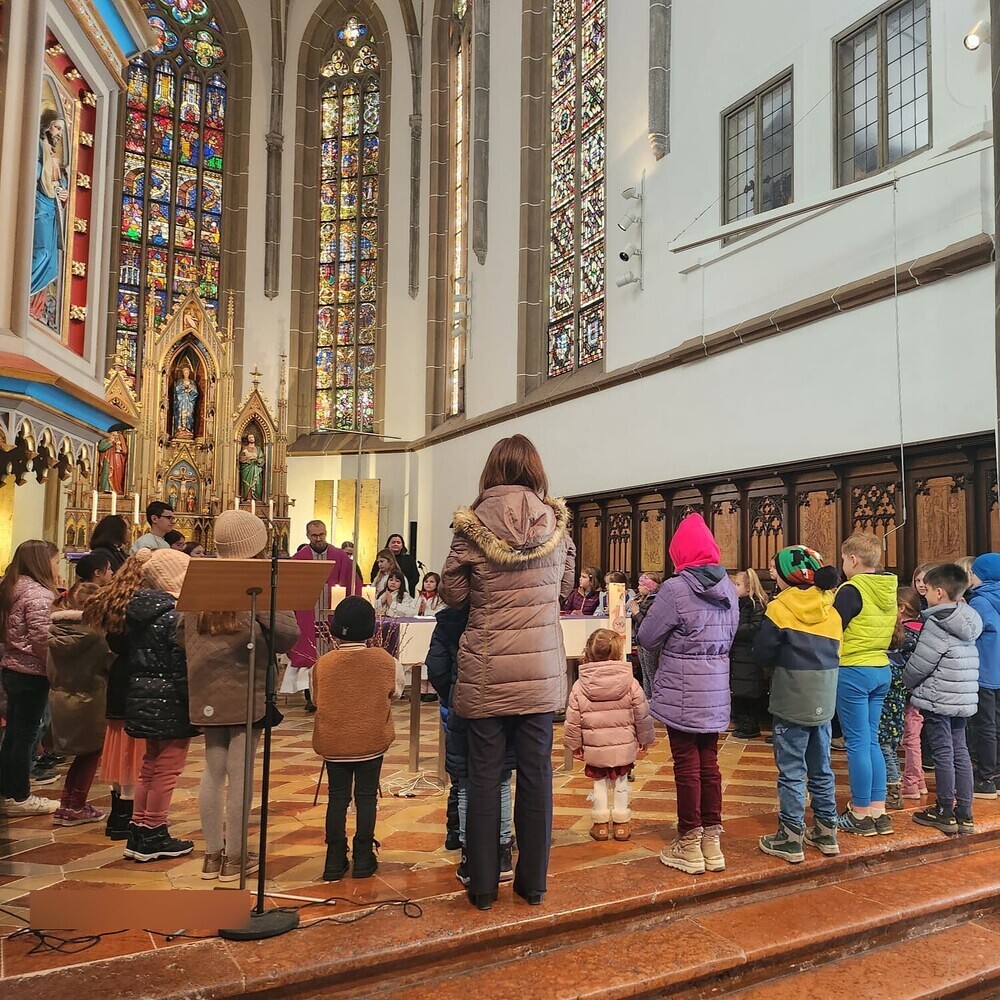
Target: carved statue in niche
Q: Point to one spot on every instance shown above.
(251, 468)
(185, 397)
(114, 459)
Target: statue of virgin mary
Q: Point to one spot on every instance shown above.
(185, 404)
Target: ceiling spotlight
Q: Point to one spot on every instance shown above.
(630, 193)
(629, 252)
(979, 35)
(628, 278)
(627, 221)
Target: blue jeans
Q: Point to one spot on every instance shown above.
(802, 754)
(506, 810)
(861, 692)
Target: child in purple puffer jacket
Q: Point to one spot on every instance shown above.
(691, 625)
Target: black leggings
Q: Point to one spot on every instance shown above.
(364, 775)
(27, 696)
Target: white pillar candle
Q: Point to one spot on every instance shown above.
(270, 509)
(368, 593)
(253, 506)
(93, 507)
(114, 502)
(236, 503)
(135, 511)
(337, 594)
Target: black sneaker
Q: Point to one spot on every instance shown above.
(743, 734)
(462, 871)
(966, 826)
(883, 825)
(940, 819)
(506, 864)
(985, 789)
(453, 842)
(50, 760)
(863, 826)
(157, 844)
(44, 775)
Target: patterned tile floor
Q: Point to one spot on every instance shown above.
(414, 864)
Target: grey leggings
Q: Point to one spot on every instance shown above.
(224, 758)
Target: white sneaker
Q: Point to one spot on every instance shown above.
(31, 806)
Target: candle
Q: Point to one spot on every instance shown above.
(93, 507)
(253, 506)
(114, 503)
(236, 503)
(337, 594)
(135, 511)
(368, 593)
(270, 509)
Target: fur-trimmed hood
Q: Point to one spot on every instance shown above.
(512, 524)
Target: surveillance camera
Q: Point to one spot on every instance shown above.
(628, 278)
(629, 252)
(627, 221)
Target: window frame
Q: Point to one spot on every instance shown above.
(756, 98)
(878, 17)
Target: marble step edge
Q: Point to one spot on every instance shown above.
(355, 954)
(732, 968)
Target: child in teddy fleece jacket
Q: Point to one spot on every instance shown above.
(608, 726)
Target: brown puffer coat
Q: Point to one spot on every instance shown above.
(217, 666)
(79, 662)
(607, 715)
(511, 559)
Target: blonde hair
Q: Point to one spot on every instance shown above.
(755, 589)
(106, 609)
(865, 547)
(603, 645)
(966, 563)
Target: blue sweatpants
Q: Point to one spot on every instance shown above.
(861, 692)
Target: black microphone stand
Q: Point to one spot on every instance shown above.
(266, 923)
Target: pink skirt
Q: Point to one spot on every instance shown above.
(121, 761)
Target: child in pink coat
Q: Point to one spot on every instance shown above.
(608, 726)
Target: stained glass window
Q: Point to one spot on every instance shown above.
(347, 315)
(576, 328)
(461, 94)
(172, 171)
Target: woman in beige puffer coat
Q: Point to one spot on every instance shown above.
(511, 560)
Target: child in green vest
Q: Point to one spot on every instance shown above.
(867, 608)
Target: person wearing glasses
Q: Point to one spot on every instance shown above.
(160, 516)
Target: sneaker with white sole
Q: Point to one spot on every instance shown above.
(685, 854)
(33, 805)
(77, 817)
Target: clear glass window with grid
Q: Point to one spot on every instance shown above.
(758, 152)
(883, 91)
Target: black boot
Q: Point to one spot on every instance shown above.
(119, 818)
(337, 864)
(365, 861)
(310, 707)
(157, 844)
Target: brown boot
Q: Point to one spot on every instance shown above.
(621, 820)
(622, 831)
(600, 831)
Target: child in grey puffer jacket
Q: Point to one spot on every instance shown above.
(943, 674)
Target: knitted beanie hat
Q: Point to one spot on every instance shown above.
(798, 565)
(239, 535)
(163, 569)
(353, 620)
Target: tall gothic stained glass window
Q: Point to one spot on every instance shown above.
(576, 328)
(461, 104)
(346, 322)
(172, 175)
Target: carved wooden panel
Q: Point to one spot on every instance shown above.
(873, 509)
(819, 523)
(590, 537)
(652, 535)
(941, 519)
(726, 528)
(767, 529)
(619, 515)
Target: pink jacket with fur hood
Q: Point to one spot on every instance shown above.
(607, 715)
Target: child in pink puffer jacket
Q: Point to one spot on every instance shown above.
(608, 726)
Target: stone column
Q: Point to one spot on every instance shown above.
(275, 143)
(480, 128)
(659, 77)
(19, 156)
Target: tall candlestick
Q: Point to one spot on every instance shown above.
(93, 507)
(135, 511)
(114, 503)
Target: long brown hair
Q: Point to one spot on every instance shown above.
(514, 461)
(76, 598)
(33, 559)
(220, 622)
(106, 609)
(908, 603)
(595, 579)
(393, 565)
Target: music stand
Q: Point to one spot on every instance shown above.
(255, 585)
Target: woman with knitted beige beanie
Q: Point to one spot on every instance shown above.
(215, 644)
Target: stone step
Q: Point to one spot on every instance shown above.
(712, 950)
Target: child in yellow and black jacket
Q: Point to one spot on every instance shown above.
(800, 637)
